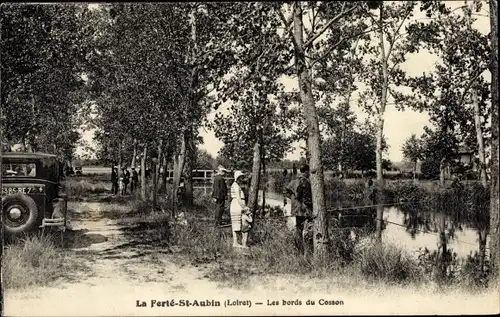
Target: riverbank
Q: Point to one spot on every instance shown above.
(130, 259)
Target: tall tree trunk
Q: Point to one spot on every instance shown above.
(477, 121)
(480, 141)
(154, 163)
(143, 172)
(380, 218)
(442, 172)
(189, 166)
(134, 154)
(483, 235)
(263, 162)
(120, 162)
(160, 161)
(383, 102)
(178, 168)
(189, 156)
(415, 170)
(494, 202)
(320, 235)
(253, 193)
(165, 173)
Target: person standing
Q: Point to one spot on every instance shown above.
(114, 181)
(134, 180)
(237, 209)
(219, 193)
(126, 179)
(300, 194)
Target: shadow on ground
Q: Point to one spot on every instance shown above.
(75, 239)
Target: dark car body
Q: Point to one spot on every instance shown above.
(30, 191)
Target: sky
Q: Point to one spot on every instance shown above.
(399, 125)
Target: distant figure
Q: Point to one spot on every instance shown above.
(149, 173)
(370, 190)
(369, 183)
(219, 193)
(121, 185)
(134, 181)
(114, 181)
(294, 169)
(457, 184)
(300, 193)
(285, 172)
(126, 179)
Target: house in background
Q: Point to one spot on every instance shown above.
(465, 155)
(466, 160)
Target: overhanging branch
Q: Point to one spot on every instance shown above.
(328, 24)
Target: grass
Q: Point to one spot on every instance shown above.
(35, 261)
(85, 187)
(388, 263)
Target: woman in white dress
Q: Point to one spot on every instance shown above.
(236, 210)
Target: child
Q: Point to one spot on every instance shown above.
(121, 185)
(246, 220)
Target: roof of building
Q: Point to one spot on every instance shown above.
(465, 150)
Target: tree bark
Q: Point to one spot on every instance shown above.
(477, 121)
(320, 235)
(143, 172)
(414, 170)
(134, 154)
(442, 172)
(156, 165)
(263, 163)
(253, 193)
(494, 202)
(178, 168)
(189, 166)
(155, 178)
(380, 218)
(165, 174)
(383, 102)
(119, 166)
(480, 140)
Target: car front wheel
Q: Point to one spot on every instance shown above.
(20, 214)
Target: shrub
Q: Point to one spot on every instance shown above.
(389, 263)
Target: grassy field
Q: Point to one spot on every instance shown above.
(36, 261)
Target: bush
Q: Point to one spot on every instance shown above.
(34, 261)
(389, 263)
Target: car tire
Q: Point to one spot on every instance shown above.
(28, 217)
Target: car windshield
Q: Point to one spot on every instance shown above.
(18, 170)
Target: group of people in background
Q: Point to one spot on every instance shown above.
(298, 191)
(120, 184)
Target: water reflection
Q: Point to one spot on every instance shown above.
(420, 229)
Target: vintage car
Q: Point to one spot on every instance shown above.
(31, 193)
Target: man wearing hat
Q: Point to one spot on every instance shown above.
(299, 191)
(219, 193)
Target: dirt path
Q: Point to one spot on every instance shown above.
(122, 275)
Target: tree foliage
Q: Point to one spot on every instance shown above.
(44, 54)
